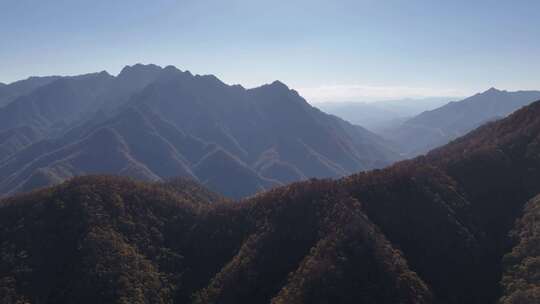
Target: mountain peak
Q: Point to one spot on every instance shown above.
(172, 70)
(274, 86)
(96, 75)
(211, 79)
(493, 90)
(279, 84)
(138, 69)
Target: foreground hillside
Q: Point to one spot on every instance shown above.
(521, 280)
(430, 230)
(153, 123)
(108, 240)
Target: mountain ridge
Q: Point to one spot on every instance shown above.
(170, 118)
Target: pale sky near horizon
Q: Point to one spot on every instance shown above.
(327, 50)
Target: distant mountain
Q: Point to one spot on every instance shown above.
(434, 229)
(48, 110)
(10, 92)
(381, 114)
(61, 103)
(437, 127)
(154, 123)
(58, 103)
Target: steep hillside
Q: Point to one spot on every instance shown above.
(462, 199)
(136, 243)
(521, 280)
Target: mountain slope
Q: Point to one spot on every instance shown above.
(50, 106)
(59, 102)
(170, 120)
(437, 127)
(48, 110)
(249, 122)
(429, 230)
(472, 190)
(10, 92)
(129, 242)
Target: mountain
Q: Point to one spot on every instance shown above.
(48, 110)
(9, 92)
(434, 229)
(381, 115)
(58, 103)
(154, 123)
(437, 127)
(61, 103)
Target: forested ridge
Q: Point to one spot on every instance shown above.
(435, 229)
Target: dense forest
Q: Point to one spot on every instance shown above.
(450, 227)
(521, 279)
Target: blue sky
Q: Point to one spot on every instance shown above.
(328, 50)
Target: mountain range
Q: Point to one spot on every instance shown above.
(155, 123)
(455, 226)
(436, 127)
(381, 115)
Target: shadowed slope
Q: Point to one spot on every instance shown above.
(521, 280)
(131, 242)
(471, 190)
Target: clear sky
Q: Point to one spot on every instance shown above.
(328, 50)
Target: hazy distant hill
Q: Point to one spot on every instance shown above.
(152, 123)
(437, 127)
(381, 114)
(433, 229)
